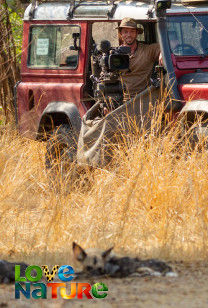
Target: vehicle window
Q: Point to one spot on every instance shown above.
(54, 47)
(188, 35)
(108, 31)
(105, 31)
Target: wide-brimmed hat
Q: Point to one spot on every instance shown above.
(128, 22)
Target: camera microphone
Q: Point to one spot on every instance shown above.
(105, 46)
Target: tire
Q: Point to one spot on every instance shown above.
(199, 137)
(61, 150)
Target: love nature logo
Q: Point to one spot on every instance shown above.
(34, 273)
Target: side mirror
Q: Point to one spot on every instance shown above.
(76, 37)
(161, 6)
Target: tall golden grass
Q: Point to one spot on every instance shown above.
(152, 201)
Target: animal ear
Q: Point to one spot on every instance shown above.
(106, 253)
(79, 253)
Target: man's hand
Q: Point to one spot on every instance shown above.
(160, 59)
(105, 111)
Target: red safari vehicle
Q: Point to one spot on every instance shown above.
(55, 90)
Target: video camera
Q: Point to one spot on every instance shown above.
(107, 65)
(114, 59)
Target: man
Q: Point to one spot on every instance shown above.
(96, 137)
(142, 58)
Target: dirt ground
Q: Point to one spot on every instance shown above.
(189, 289)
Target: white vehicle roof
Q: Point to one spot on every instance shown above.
(101, 10)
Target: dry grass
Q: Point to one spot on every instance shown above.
(153, 203)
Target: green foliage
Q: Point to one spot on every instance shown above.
(16, 23)
(15, 16)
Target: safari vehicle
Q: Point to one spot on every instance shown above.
(59, 39)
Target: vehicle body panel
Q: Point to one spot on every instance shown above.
(191, 92)
(29, 115)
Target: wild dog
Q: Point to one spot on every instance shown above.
(96, 262)
(7, 271)
(93, 260)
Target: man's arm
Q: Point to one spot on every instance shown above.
(155, 52)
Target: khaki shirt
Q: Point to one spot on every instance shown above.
(141, 65)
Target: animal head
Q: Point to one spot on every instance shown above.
(93, 260)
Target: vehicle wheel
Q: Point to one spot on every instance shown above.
(61, 150)
(199, 137)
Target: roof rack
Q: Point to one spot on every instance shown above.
(32, 10)
(75, 4)
(194, 2)
(87, 9)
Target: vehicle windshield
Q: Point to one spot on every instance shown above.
(188, 35)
